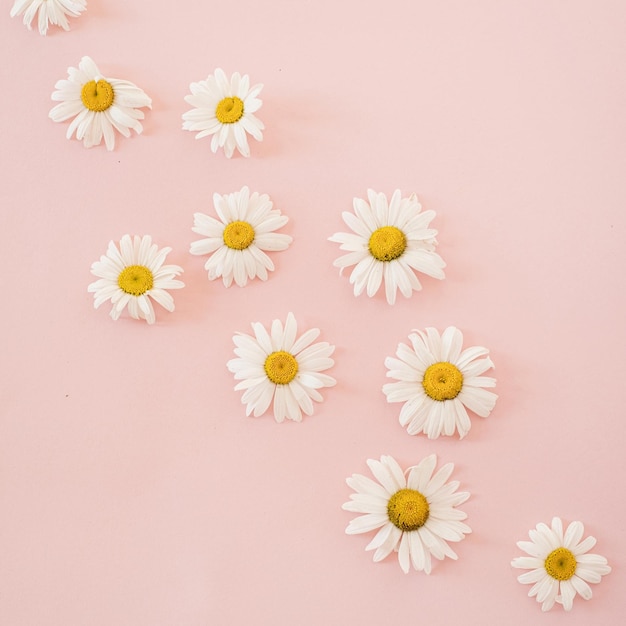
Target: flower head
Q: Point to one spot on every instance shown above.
(276, 365)
(390, 243)
(133, 275)
(437, 381)
(98, 105)
(225, 108)
(414, 511)
(560, 564)
(48, 12)
(238, 242)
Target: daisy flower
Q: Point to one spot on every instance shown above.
(390, 243)
(277, 365)
(225, 108)
(414, 511)
(237, 242)
(438, 381)
(132, 275)
(560, 566)
(98, 105)
(48, 12)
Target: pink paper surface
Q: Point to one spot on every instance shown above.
(134, 491)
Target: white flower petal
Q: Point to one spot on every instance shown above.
(363, 484)
(584, 546)
(573, 534)
(418, 552)
(381, 536)
(581, 587)
(389, 545)
(384, 475)
(366, 523)
(568, 592)
(478, 400)
(404, 555)
(532, 577)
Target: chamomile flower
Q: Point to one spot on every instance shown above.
(279, 366)
(225, 107)
(237, 242)
(390, 243)
(438, 381)
(98, 105)
(133, 275)
(414, 511)
(48, 12)
(560, 564)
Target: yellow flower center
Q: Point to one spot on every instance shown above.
(561, 564)
(442, 381)
(229, 110)
(135, 280)
(97, 96)
(281, 367)
(408, 509)
(387, 243)
(238, 235)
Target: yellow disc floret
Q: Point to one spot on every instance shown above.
(229, 110)
(408, 509)
(281, 367)
(238, 235)
(135, 280)
(561, 564)
(442, 381)
(97, 96)
(387, 243)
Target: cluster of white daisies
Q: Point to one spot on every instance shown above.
(99, 105)
(390, 244)
(414, 512)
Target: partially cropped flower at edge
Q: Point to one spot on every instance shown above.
(48, 12)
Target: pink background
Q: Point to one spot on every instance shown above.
(133, 489)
